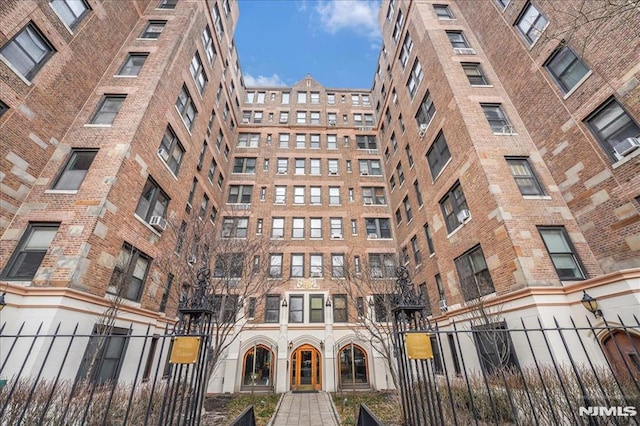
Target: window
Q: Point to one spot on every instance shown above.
(373, 195)
(27, 51)
(275, 265)
(229, 265)
(315, 264)
(316, 308)
(417, 257)
(153, 29)
(331, 98)
(400, 173)
(204, 205)
(397, 28)
(101, 362)
(340, 308)
(300, 166)
(285, 98)
(298, 195)
(315, 227)
(70, 12)
(297, 229)
(524, 176)
(282, 166)
(427, 234)
(357, 119)
(280, 195)
(438, 155)
(334, 195)
(133, 64)
(207, 42)
(129, 273)
(494, 346)
(244, 165)
(457, 40)
(108, 109)
(284, 116)
(240, 194)
(277, 227)
(366, 142)
(452, 204)
(378, 228)
(168, 4)
(382, 265)
(30, 251)
(258, 367)
(314, 166)
(474, 74)
(611, 125)
(370, 167)
(496, 118)
(383, 304)
(407, 208)
(563, 255)
(217, 20)
(416, 187)
(192, 193)
(283, 140)
(315, 195)
(186, 107)
(302, 97)
(297, 265)
(337, 265)
(314, 117)
(426, 111)
(531, 23)
(197, 72)
(415, 78)
(296, 308)
(473, 273)
(3, 108)
(234, 227)
(407, 46)
(152, 202)
(407, 150)
(314, 142)
(212, 170)
(335, 224)
(301, 141)
(272, 308)
(566, 68)
(443, 11)
(171, 150)
(75, 169)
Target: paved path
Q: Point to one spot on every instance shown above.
(308, 409)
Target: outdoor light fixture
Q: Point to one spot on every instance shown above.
(2, 302)
(290, 345)
(284, 303)
(328, 304)
(321, 344)
(590, 304)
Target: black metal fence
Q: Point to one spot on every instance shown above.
(492, 371)
(246, 418)
(107, 377)
(367, 418)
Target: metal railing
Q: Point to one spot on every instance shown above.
(246, 418)
(367, 418)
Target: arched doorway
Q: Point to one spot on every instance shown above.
(353, 365)
(257, 370)
(622, 351)
(306, 368)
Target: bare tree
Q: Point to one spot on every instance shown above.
(233, 266)
(587, 22)
(370, 286)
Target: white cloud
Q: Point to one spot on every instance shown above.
(360, 16)
(261, 80)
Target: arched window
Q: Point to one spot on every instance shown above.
(353, 367)
(258, 369)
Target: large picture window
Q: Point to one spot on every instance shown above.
(353, 367)
(258, 367)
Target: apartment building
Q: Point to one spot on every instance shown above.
(491, 157)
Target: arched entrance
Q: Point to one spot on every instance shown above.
(622, 352)
(257, 371)
(306, 368)
(353, 367)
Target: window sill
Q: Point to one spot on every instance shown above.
(61, 191)
(144, 222)
(125, 76)
(482, 85)
(98, 126)
(536, 197)
(432, 255)
(626, 159)
(455, 231)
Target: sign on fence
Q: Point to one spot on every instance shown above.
(185, 350)
(419, 346)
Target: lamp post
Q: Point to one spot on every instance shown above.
(591, 304)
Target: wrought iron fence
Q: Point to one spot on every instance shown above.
(106, 377)
(529, 372)
(246, 418)
(367, 418)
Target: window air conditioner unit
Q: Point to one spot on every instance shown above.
(163, 153)
(626, 146)
(443, 305)
(316, 274)
(158, 223)
(372, 151)
(283, 120)
(422, 130)
(282, 171)
(373, 236)
(368, 202)
(464, 215)
(333, 172)
(191, 260)
(279, 202)
(336, 236)
(464, 51)
(332, 122)
(508, 130)
(364, 173)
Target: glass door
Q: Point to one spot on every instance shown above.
(306, 369)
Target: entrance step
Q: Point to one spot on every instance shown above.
(306, 408)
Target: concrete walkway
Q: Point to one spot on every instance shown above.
(308, 409)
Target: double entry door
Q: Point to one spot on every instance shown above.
(306, 371)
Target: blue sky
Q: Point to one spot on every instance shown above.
(336, 41)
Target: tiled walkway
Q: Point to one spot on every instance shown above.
(308, 409)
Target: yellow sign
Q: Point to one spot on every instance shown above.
(184, 350)
(419, 346)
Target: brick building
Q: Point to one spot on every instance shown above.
(496, 156)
